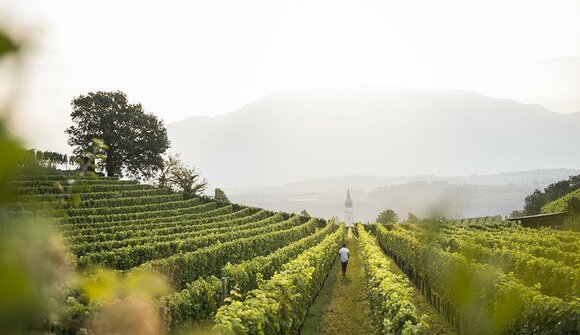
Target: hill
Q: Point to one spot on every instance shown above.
(562, 204)
(291, 136)
(127, 226)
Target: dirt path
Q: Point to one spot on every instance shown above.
(342, 307)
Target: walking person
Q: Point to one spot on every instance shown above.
(343, 254)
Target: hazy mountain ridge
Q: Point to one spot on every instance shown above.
(455, 196)
(294, 136)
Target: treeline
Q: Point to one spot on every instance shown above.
(538, 199)
(49, 159)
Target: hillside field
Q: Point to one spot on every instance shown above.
(233, 269)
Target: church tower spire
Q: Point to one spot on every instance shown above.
(348, 217)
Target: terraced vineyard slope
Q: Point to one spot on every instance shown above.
(204, 248)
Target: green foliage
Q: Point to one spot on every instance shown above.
(182, 268)
(220, 196)
(535, 202)
(388, 216)
(412, 218)
(7, 45)
(517, 213)
(130, 256)
(114, 231)
(491, 301)
(279, 305)
(201, 298)
(192, 240)
(245, 275)
(177, 175)
(567, 202)
(548, 266)
(134, 140)
(390, 294)
(198, 301)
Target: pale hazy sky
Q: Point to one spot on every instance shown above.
(186, 58)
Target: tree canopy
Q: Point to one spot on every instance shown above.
(388, 216)
(135, 140)
(535, 201)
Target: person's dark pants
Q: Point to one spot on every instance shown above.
(344, 267)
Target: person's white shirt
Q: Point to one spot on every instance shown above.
(343, 253)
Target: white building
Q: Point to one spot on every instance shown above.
(348, 217)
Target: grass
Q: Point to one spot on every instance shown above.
(342, 306)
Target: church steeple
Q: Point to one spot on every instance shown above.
(348, 217)
(348, 201)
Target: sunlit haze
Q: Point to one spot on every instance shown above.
(211, 57)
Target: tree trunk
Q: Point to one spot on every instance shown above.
(110, 172)
(110, 168)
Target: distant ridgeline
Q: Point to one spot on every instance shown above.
(128, 226)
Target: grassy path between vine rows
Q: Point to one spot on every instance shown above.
(342, 306)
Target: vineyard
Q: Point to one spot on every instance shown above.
(243, 270)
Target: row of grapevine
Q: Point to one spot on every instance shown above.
(279, 306)
(128, 257)
(478, 298)
(553, 276)
(146, 227)
(185, 267)
(193, 206)
(202, 297)
(564, 240)
(125, 208)
(560, 248)
(122, 201)
(160, 235)
(55, 189)
(390, 294)
(196, 213)
(244, 276)
(126, 237)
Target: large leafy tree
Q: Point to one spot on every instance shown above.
(135, 140)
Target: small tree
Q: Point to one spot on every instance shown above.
(220, 195)
(388, 216)
(177, 175)
(516, 213)
(412, 218)
(305, 214)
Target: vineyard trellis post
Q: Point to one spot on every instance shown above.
(224, 289)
